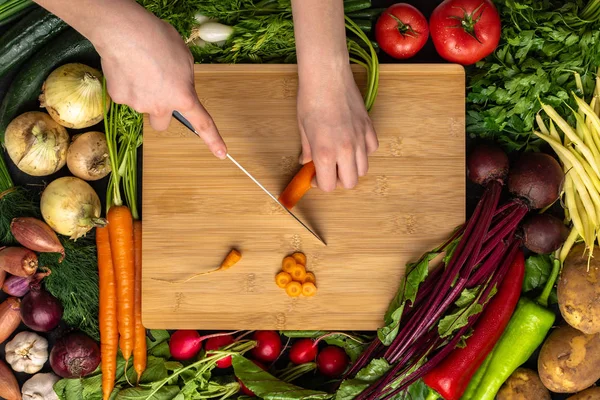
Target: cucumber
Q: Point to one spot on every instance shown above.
(356, 5)
(371, 13)
(26, 36)
(365, 25)
(23, 93)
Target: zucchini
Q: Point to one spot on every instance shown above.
(371, 13)
(26, 36)
(11, 9)
(356, 5)
(12, 16)
(365, 25)
(23, 93)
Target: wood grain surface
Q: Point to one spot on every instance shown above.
(196, 208)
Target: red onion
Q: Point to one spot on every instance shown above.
(36, 235)
(18, 261)
(18, 286)
(74, 355)
(40, 311)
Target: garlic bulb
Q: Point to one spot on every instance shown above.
(27, 352)
(72, 95)
(40, 387)
(36, 143)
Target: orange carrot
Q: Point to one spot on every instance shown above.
(309, 289)
(282, 279)
(300, 258)
(232, 258)
(298, 273)
(287, 264)
(293, 289)
(310, 277)
(120, 227)
(139, 345)
(109, 333)
(298, 186)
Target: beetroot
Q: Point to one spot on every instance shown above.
(543, 233)
(215, 343)
(487, 162)
(537, 178)
(303, 351)
(332, 361)
(268, 346)
(74, 355)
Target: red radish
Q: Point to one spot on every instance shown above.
(216, 343)
(303, 351)
(268, 346)
(243, 387)
(185, 344)
(332, 361)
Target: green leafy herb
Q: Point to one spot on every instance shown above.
(350, 388)
(543, 42)
(467, 305)
(267, 387)
(537, 271)
(15, 202)
(74, 282)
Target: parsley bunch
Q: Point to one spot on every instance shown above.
(543, 43)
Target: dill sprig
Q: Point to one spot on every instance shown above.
(74, 282)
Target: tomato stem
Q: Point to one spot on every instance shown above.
(404, 29)
(468, 21)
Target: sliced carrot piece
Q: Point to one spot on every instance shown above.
(309, 289)
(300, 258)
(298, 273)
(293, 289)
(288, 263)
(282, 279)
(310, 277)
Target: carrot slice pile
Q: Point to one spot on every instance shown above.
(282, 279)
(294, 278)
(294, 289)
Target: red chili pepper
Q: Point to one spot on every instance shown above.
(451, 377)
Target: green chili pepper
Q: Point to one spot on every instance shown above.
(525, 332)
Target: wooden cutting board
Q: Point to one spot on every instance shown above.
(196, 208)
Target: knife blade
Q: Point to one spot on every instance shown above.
(177, 115)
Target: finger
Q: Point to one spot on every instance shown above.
(371, 140)
(326, 173)
(160, 122)
(206, 128)
(348, 171)
(306, 155)
(362, 161)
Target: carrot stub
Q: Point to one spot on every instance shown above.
(282, 279)
(294, 289)
(287, 264)
(309, 289)
(120, 227)
(107, 313)
(298, 186)
(139, 345)
(231, 259)
(310, 277)
(300, 258)
(298, 273)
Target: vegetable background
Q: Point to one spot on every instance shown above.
(537, 274)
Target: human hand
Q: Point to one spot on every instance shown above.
(148, 67)
(336, 131)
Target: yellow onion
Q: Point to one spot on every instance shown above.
(72, 95)
(71, 207)
(36, 143)
(87, 157)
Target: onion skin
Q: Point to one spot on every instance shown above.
(9, 387)
(18, 287)
(40, 311)
(18, 261)
(72, 95)
(71, 207)
(87, 157)
(10, 317)
(74, 355)
(36, 143)
(36, 235)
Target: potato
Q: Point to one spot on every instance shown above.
(590, 394)
(523, 384)
(569, 360)
(579, 290)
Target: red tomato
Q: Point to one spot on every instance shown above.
(401, 31)
(465, 31)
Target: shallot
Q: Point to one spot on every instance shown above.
(36, 235)
(18, 286)
(10, 317)
(18, 261)
(9, 387)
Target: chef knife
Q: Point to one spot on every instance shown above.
(188, 125)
